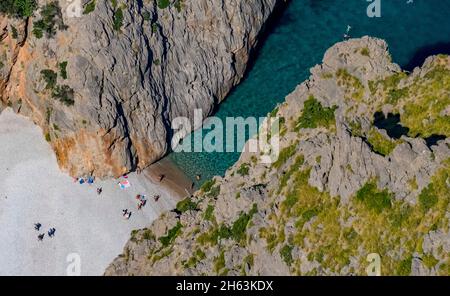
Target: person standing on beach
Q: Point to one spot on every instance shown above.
(37, 226)
(126, 214)
(51, 232)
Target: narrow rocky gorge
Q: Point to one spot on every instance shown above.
(104, 80)
(343, 186)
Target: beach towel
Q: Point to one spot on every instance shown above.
(124, 184)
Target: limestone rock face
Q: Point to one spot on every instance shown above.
(343, 186)
(130, 75)
(11, 47)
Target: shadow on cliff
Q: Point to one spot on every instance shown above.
(424, 52)
(278, 18)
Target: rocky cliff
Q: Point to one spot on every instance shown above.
(364, 168)
(105, 78)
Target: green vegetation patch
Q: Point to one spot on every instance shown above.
(315, 115)
(422, 100)
(178, 4)
(274, 112)
(163, 4)
(14, 33)
(243, 169)
(198, 256)
(404, 269)
(186, 205)
(172, 234)
(209, 213)
(50, 78)
(89, 7)
(64, 94)
(284, 155)
(63, 69)
(208, 185)
(429, 260)
(373, 222)
(423, 110)
(238, 230)
(18, 8)
(214, 192)
(215, 234)
(387, 84)
(286, 254)
(356, 128)
(396, 94)
(299, 161)
(302, 199)
(428, 197)
(118, 19)
(380, 143)
(373, 198)
(353, 87)
(365, 52)
(209, 188)
(148, 235)
(219, 262)
(51, 20)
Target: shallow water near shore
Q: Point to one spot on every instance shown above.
(298, 40)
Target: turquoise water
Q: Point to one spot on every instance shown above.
(298, 40)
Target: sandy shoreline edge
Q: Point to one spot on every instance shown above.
(174, 180)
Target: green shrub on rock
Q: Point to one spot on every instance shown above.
(18, 8)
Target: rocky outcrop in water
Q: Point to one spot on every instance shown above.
(105, 86)
(344, 186)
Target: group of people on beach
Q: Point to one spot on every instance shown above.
(142, 201)
(126, 213)
(89, 180)
(51, 232)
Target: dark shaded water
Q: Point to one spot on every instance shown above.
(391, 124)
